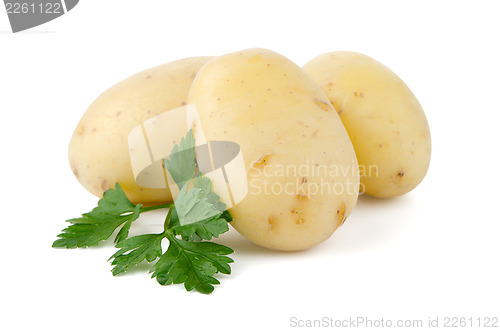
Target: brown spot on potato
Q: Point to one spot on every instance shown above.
(315, 133)
(260, 163)
(304, 180)
(118, 113)
(273, 222)
(81, 130)
(148, 77)
(380, 145)
(401, 173)
(301, 197)
(300, 221)
(355, 94)
(340, 111)
(296, 211)
(104, 185)
(322, 104)
(183, 103)
(75, 171)
(341, 214)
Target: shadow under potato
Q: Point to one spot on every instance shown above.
(373, 222)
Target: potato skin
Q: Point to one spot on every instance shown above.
(98, 151)
(280, 117)
(386, 124)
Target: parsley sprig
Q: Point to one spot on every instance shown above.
(196, 217)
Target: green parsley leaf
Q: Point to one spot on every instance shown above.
(203, 215)
(192, 263)
(182, 166)
(194, 205)
(225, 215)
(204, 184)
(114, 202)
(202, 230)
(140, 248)
(113, 210)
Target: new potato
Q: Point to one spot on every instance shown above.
(301, 168)
(98, 151)
(386, 124)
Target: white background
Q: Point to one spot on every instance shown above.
(432, 253)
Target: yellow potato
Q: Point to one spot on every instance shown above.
(301, 168)
(98, 151)
(386, 124)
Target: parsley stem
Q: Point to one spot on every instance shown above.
(166, 225)
(166, 205)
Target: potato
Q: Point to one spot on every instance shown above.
(386, 124)
(301, 168)
(98, 151)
